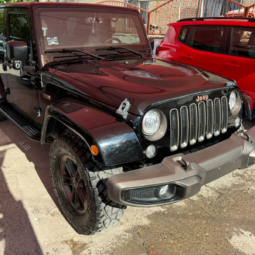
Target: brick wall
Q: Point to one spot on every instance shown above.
(169, 13)
(248, 2)
(182, 4)
(173, 11)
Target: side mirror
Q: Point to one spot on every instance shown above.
(151, 42)
(17, 50)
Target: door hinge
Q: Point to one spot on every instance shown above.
(7, 90)
(39, 111)
(124, 108)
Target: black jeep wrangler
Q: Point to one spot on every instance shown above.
(125, 128)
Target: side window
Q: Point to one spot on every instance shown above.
(182, 37)
(19, 27)
(1, 21)
(207, 38)
(242, 42)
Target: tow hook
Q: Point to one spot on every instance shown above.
(183, 163)
(246, 137)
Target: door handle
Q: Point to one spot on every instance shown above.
(186, 56)
(232, 65)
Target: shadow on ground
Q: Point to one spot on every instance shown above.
(16, 232)
(35, 153)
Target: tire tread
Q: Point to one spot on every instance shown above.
(105, 213)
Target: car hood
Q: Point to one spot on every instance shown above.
(142, 81)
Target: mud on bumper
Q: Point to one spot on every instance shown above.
(181, 176)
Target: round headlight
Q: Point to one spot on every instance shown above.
(151, 122)
(232, 100)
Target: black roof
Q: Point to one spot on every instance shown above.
(209, 18)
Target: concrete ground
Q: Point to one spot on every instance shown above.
(219, 220)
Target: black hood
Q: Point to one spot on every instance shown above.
(142, 81)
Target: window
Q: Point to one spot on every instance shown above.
(184, 35)
(207, 38)
(134, 2)
(19, 27)
(144, 15)
(242, 42)
(1, 21)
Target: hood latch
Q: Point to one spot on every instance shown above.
(124, 108)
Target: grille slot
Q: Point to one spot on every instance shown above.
(201, 121)
(193, 123)
(224, 114)
(174, 129)
(217, 116)
(184, 119)
(210, 119)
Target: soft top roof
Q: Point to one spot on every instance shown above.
(69, 5)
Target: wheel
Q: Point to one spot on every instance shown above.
(80, 186)
(2, 116)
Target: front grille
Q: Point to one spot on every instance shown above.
(197, 122)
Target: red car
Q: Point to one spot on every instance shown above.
(223, 46)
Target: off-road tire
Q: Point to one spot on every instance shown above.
(2, 116)
(101, 213)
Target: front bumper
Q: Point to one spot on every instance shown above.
(199, 168)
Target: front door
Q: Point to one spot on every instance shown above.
(202, 46)
(22, 92)
(239, 63)
(2, 52)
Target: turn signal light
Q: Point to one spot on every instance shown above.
(94, 150)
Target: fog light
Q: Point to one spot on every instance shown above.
(166, 191)
(163, 190)
(153, 195)
(237, 122)
(151, 151)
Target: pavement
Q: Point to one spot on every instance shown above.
(220, 219)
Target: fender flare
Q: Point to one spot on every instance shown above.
(247, 109)
(117, 142)
(2, 88)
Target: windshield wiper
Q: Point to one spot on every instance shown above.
(244, 47)
(121, 48)
(73, 52)
(72, 62)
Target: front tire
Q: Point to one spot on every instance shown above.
(80, 186)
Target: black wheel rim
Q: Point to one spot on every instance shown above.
(73, 184)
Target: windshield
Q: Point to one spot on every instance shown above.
(90, 29)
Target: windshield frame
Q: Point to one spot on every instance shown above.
(38, 25)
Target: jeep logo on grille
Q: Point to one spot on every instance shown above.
(202, 98)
